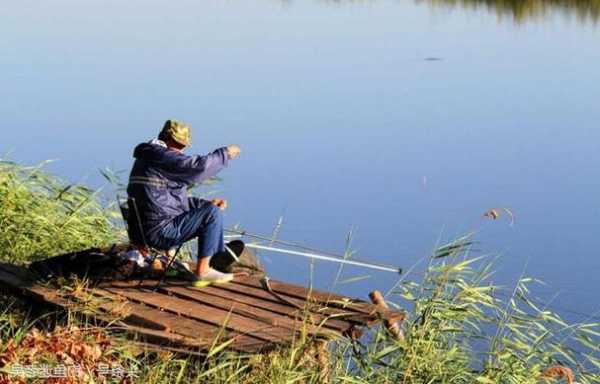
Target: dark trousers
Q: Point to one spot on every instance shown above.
(203, 220)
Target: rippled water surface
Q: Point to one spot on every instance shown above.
(405, 120)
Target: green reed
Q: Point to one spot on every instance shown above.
(460, 327)
(42, 216)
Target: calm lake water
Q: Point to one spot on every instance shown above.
(405, 120)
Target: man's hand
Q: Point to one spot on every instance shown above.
(220, 203)
(233, 151)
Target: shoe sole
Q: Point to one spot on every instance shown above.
(203, 284)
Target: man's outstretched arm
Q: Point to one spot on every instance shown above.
(196, 169)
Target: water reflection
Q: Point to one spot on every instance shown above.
(523, 10)
(518, 10)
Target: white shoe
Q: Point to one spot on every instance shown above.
(212, 276)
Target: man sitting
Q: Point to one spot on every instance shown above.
(158, 185)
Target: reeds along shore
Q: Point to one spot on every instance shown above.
(40, 215)
(461, 328)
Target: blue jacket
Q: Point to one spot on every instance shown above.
(160, 179)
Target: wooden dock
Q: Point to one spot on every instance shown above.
(248, 314)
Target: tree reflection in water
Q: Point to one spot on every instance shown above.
(518, 10)
(523, 10)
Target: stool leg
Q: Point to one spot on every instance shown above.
(150, 267)
(171, 260)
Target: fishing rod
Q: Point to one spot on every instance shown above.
(313, 254)
(272, 240)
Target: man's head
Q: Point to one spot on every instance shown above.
(175, 134)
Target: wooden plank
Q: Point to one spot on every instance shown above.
(391, 326)
(335, 315)
(325, 298)
(207, 314)
(242, 309)
(21, 273)
(277, 307)
(163, 337)
(137, 347)
(266, 301)
(18, 280)
(339, 314)
(335, 318)
(342, 321)
(299, 291)
(142, 315)
(325, 317)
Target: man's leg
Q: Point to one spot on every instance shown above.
(202, 265)
(204, 221)
(210, 238)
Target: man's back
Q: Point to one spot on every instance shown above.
(160, 178)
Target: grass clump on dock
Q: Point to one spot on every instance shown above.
(40, 215)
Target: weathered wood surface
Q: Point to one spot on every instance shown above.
(251, 316)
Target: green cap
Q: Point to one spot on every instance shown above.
(177, 131)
